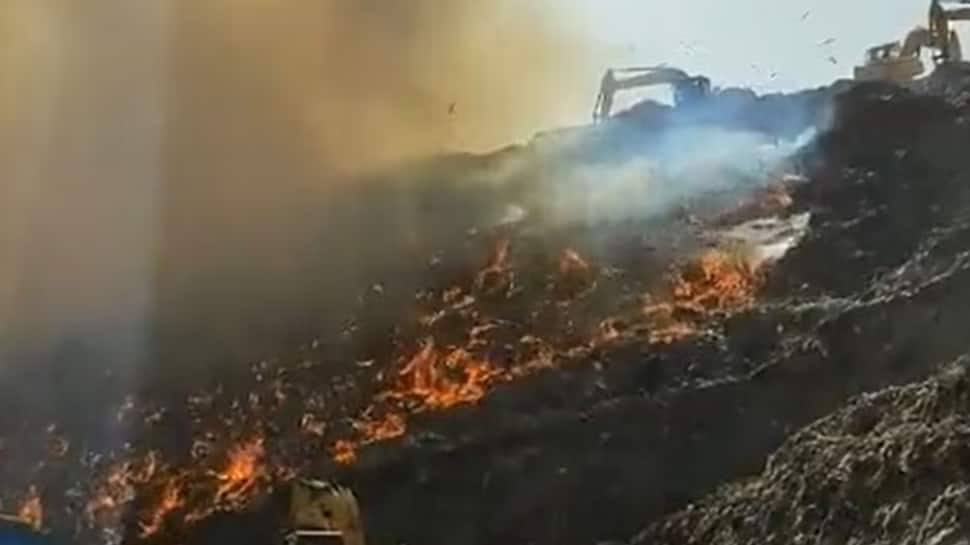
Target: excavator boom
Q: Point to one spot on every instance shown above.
(685, 86)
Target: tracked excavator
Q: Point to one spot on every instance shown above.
(687, 88)
(900, 62)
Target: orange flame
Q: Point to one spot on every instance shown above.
(32, 510)
(170, 499)
(390, 426)
(429, 377)
(715, 283)
(432, 381)
(242, 473)
(343, 451)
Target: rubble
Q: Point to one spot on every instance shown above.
(889, 467)
(550, 381)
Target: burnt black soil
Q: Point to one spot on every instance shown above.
(616, 439)
(874, 297)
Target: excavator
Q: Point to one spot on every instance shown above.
(687, 88)
(322, 513)
(900, 62)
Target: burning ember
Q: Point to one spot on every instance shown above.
(242, 473)
(170, 498)
(517, 316)
(715, 283)
(433, 381)
(344, 451)
(31, 510)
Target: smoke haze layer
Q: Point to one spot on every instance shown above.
(189, 149)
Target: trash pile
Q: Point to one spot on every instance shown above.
(889, 467)
(552, 381)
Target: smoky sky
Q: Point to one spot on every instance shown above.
(163, 153)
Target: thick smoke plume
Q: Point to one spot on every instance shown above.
(165, 161)
(372, 80)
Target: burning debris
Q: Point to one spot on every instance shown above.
(519, 315)
(605, 318)
(32, 510)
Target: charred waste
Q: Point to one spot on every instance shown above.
(610, 333)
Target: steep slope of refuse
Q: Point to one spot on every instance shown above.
(873, 296)
(546, 374)
(876, 471)
(889, 467)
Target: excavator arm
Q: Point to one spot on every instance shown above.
(610, 84)
(942, 37)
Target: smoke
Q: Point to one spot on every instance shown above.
(659, 173)
(178, 164)
(372, 81)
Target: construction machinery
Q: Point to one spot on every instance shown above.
(900, 62)
(687, 88)
(323, 513)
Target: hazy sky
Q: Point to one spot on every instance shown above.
(743, 42)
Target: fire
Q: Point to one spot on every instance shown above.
(118, 488)
(433, 380)
(32, 510)
(715, 283)
(171, 498)
(390, 426)
(238, 480)
(242, 473)
(453, 365)
(344, 451)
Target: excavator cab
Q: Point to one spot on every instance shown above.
(323, 514)
(691, 90)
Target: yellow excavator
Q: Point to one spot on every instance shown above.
(900, 62)
(321, 513)
(687, 88)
